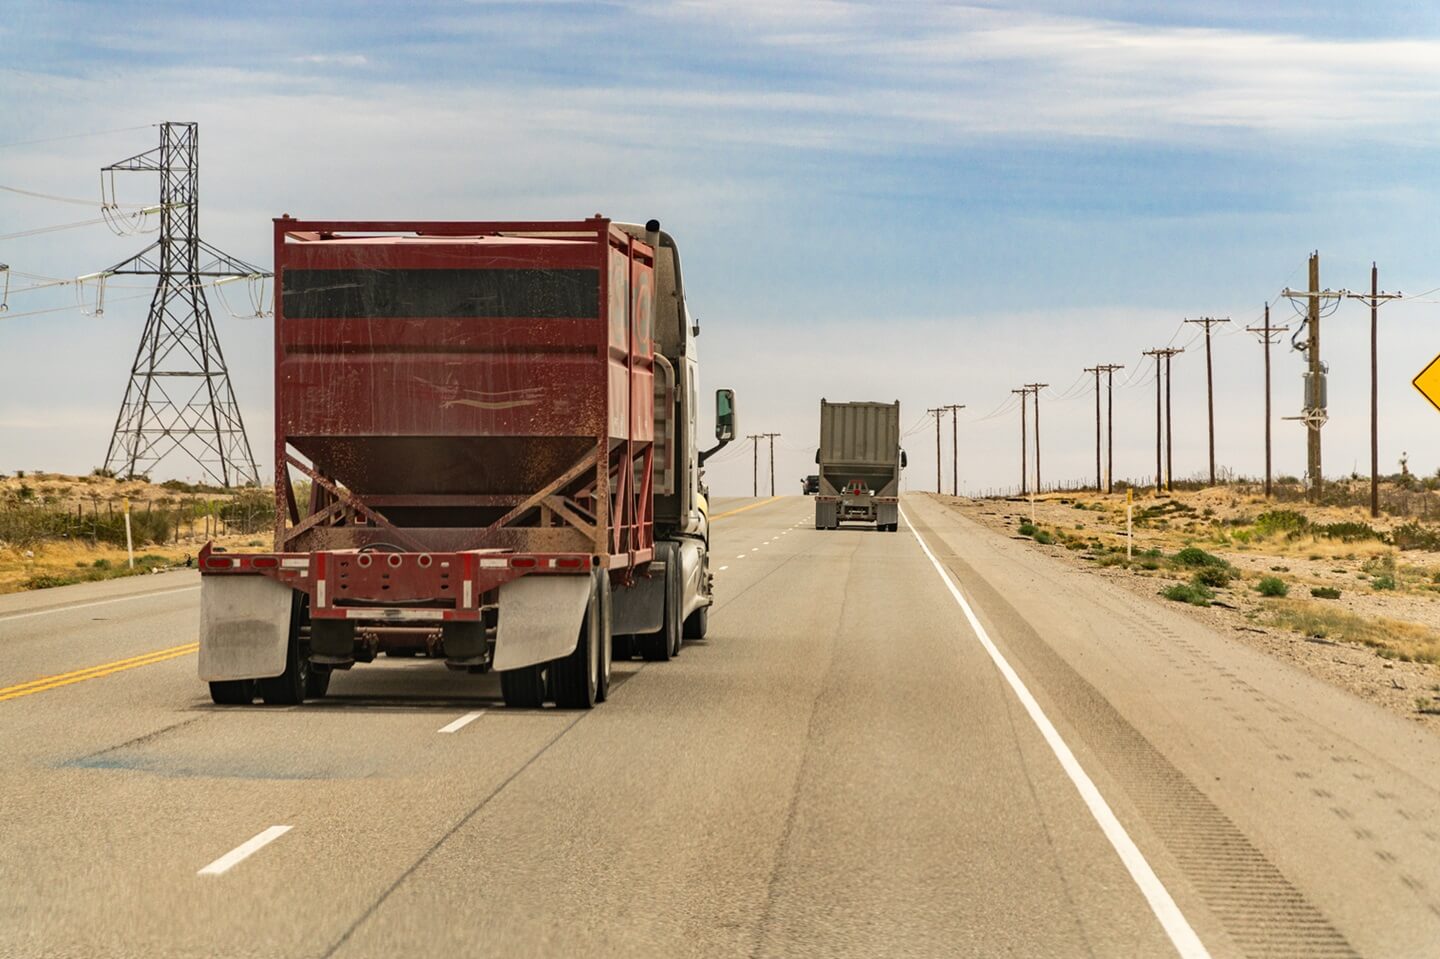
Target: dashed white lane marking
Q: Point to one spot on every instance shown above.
(461, 723)
(243, 851)
(1176, 926)
(741, 556)
(98, 602)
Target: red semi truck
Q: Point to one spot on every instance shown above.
(485, 449)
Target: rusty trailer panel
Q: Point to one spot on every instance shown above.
(464, 386)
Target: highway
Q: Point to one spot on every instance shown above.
(925, 743)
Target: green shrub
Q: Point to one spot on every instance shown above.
(1216, 577)
(1383, 581)
(1027, 529)
(1347, 532)
(101, 563)
(1188, 593)
(1044, 538)
(1194, 556)
(1272, 586)
(1413, 535)
(1324, 592)
(1286, 521)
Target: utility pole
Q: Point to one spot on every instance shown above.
(1162, 375)
(771, 437)
(179, 395)
(1314, 415)
(1374, 298)
(1024, 472)
(754, 439)
(1096, 371)
(1266, 332)
(1110, 369)
(955, 409)
(1035, 388)
(937, 413)
(1207, 322)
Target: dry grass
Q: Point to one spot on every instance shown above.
(1390, 638)
(61, 562)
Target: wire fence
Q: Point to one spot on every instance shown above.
(28, 520)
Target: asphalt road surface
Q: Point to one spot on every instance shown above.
(861, 760)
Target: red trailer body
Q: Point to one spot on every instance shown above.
(467, 402)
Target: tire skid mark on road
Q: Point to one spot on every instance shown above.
(1254, 902)
(459, 824)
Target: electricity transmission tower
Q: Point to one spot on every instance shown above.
(179, 396)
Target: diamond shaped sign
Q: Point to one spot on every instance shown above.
(1428, 382)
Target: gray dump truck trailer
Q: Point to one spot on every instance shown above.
(860, 461)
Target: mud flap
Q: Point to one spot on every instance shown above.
(887, 514)
(540, 619)
(244, 627)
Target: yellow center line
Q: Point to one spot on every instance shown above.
(94, 672)
(732, 512)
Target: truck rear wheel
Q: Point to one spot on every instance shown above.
(664, 644)
(233, 692)
(577, 676)
(523, 688)
(290, 687)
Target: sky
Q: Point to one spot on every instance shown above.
(922, 201)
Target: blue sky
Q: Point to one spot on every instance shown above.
(923, 201)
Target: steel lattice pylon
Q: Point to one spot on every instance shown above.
(179, 394)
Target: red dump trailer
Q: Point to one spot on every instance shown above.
(474, 426)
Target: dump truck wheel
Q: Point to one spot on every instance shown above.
(663, 645)
(289, 688)
(607, 655)
(317, 684)
(577, 676)
(697, 623)
(233, 692)
(622, 648)
(523, 688)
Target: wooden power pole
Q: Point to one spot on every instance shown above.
(1375, 298)
(754, 439)
(1035, 389)
(1208, 322)
(1315, 414)
(1266, 332)
(955, 409)
(771, 438)
(1109, 370)
(1162, 375)
(1024, 472)
(937, 412)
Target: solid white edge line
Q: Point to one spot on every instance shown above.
(243, 851)
(1176, 926)
(8, 617)
(461, 723)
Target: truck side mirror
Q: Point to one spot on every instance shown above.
(724, 415)
(904, 460)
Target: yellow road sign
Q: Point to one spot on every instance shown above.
(1428, 382)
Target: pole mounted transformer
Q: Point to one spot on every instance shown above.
(179, 395)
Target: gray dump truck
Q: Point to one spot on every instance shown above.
(860, 461)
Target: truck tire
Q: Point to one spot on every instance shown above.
(318, 682)
(576, 678)
(233, 692)
(290, 687)
(523, 688)
(622, 648)
(664, 644)
(607, 654)
(697, 623)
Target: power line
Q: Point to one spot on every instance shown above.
(77, 136)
